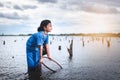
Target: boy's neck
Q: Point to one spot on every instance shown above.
(45, 32)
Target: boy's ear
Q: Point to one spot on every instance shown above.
(44, 28)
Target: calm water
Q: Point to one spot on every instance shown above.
(94, 58)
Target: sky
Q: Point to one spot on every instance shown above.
(67, 16)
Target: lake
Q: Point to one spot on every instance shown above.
(94, 58)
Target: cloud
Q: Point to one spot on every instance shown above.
(93, 6)
(64, 14)
(1, 5)
(17, 7)
(101, 9)
(24, 7)
(47, 1)
(14, 15)
(109, 3)
(115, 3)
(29, 7)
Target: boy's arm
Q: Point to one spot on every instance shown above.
(41, 52)
(48, 51)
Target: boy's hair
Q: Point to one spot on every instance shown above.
(43, 24)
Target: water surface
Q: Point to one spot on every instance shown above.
(94, 58)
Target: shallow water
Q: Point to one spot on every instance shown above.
(94, 58)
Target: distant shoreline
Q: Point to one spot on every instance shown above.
(73, 34)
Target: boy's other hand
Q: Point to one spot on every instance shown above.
(49, 58)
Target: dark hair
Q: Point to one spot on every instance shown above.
(43, 24)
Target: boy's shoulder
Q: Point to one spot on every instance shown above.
(39, 33)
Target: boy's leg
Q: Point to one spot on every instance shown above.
(34, 73)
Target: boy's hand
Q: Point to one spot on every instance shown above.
(41, 60)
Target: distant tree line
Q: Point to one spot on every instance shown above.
(71, 34)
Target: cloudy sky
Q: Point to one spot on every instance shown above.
(67, 16)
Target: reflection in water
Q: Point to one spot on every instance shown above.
(15, 40)
(52, 38)
(60, 40)
(102, 40)
(4, 42)
(108, 42)
(69, 41)
(65, 37)
(70, 50)
(88, 41)
(50, 42)
(92, 38)
(13, 57)
(83, 44)
(59, 47)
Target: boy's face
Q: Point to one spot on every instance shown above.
(48, 28)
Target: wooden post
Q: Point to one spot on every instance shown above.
(70, 50)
